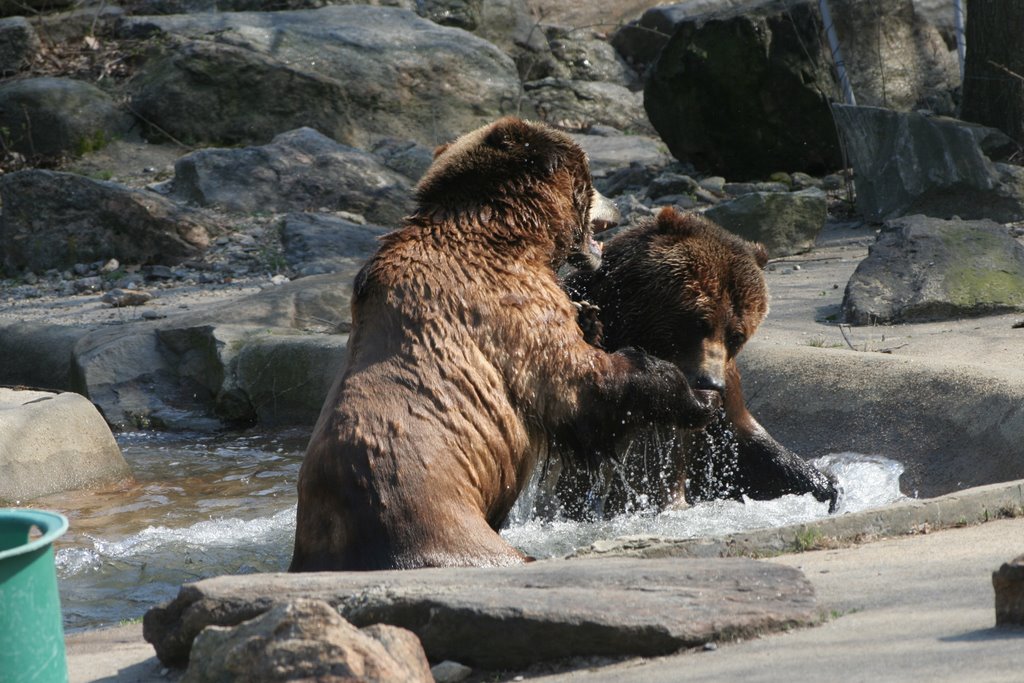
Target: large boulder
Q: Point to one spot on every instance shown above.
(578, 105)
(512, 617)
(18, 44)
(784, 222)
(37, 354)
(906, 162)
(54, 220)
(741, 87)
(301, 170)
(609, 153)
(316, 243)
(54, 442)
(352, 72)
(306, 639)
(187, 372)
(924, 268)
(45, 118)
(746, 94)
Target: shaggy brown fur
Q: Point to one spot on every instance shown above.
(465, 355)
(683, 289)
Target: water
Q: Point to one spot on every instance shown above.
(205, 505)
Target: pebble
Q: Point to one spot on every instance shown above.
(110, 266)
(119, 298)
(450, 672)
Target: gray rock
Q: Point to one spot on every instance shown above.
(281, 379)
(784, 222)
(671, 184)
(450, 672)
(54, 442)
(908, 163)
(315, 243)
(582, 56)
(18, 44)
(37, 354)
(608, 153)
(578, 105)
(306, 639)
(44, 118)
(54, 220)
(404, 157)
(900, 62)
(746, 94)
(510, 25)
(923, 268)
(301, 170)
(737, 189)
(355, 73)
(1008, 583)
(511, 617)
(118, 298)
(181, 372)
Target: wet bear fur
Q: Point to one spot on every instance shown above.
(464, 357)
(683, 289)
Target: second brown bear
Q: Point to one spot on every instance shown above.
(683, 289)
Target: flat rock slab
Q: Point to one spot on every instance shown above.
(500, 618)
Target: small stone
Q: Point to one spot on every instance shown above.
(1008, 583)
(158, 272)
(110, 266)
(714, 185)
(118, 298)
(30, 278)
(279, 279)
(152, 315)
(710, 647)
(450, 672)
(88, 284)
(80, 269)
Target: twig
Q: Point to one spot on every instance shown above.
(846, 339)
(1007, 71)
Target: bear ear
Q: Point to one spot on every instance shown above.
(760, 255)
(526, 143)
(441, 149)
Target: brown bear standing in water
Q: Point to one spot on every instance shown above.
(465, 354)
(685, 290)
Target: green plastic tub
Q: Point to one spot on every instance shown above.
(31, 632)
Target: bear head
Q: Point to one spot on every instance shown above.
(513, 179)
(682, 288)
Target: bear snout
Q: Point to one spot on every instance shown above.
(707, 382)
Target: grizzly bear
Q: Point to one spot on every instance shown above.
(685, 290)
(465, 355)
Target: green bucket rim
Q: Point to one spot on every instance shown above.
(53, 525)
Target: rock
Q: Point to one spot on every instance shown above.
(923, 268)
(300, 170)
(279, 379)
(404, 157)
(45, 118)
(177, 373)
(641, 41)
(1008, 582)
(53, 220)
(510, 25)
(671, 184)
(450, 672)
(908, 163)
(37, 354)
(578, 105)
(54, 442)
(306, 639)
(18, 44)
(784, 222)
(512, 617)
(608, 153)
(355, 73)
(738, 189)
(581, 56)
(315, 243)
(118, 298)
(900, 62)
(744, 94)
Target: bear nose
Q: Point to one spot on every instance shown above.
(705, 382)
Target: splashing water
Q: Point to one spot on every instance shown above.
(209, 505)
(866, 481)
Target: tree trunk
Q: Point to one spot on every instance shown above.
(993, 89)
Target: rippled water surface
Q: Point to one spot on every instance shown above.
(205, 505)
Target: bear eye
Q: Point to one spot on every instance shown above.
(735, 341)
